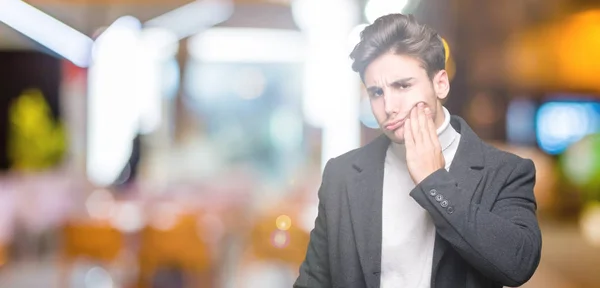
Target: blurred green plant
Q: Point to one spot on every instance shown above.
(35, 141)
(581, 166)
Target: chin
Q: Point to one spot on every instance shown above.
(396, 136)
(398, 140)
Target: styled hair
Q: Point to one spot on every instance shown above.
(402, 35)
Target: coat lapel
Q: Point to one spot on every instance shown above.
(365, 192)
(466, 168)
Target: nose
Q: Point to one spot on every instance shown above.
(390, 104)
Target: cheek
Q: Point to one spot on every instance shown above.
(421, 95)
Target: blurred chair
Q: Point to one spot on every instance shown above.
(178, 250)
(276, 248)
(270, 243)
(97, 241)
(3, 254)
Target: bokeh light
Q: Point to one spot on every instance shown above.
(283, 222)
(100, 204)
(581, 165)
(590, 223)
(280, 239)
(562, 123)
(98, 277)
(165, 216)
(128, 217)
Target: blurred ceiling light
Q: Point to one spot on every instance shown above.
(124, 30)
(247, 45)
(330, 97)
(161, 43)
(318, 16)
(46, 30)
(156, 47)
(113, 118)
(191, 18)
(377, 8)
(125, 22)
(125, 92)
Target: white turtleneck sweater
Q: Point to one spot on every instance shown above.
(408, 234)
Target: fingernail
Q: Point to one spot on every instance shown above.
(427, 110)
(421, 105)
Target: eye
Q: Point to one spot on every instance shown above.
(376, 93)
(403, 86)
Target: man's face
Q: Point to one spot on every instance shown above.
(396, 84)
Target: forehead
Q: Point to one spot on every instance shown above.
(390, 67)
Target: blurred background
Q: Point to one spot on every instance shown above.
(180, 144)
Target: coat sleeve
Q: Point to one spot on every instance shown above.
(504, 244)
(314, 271)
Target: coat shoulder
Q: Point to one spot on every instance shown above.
(342, 164)
(368, 155)
(501, 159)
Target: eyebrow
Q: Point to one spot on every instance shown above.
(372, 89)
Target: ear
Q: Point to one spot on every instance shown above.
(441, 84)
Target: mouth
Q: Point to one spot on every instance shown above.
(395, 125)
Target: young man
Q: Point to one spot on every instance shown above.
(427, 204)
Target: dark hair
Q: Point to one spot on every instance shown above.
(399, 34)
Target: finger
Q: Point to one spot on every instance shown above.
(432, 130)
(409, 140)
(423, 126)
(414, 126)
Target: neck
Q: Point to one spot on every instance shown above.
(444, 122)
(441, 117)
